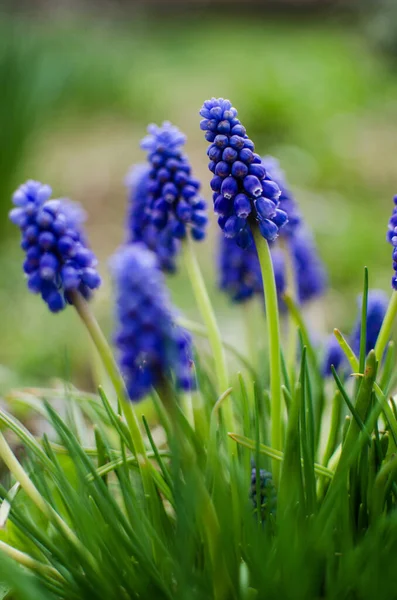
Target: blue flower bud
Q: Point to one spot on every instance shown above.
(242, 206)
(265, 208)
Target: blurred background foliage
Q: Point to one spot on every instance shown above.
(316, 89)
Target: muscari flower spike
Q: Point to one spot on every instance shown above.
(239, 270)
(151, 346)
(58, 260)
(392, 239)
(165, 202)
(376, 310)
(244, 194)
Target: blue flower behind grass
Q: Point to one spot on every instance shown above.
(58, 261)
(165, 204)
(376, 310)
(243, 193)
(392, 239)
(239, 270)
(151, 346)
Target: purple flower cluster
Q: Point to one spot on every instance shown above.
(58, 261)
(151, 346)
(165, 199)
(392, 239)
(243, 193)
(239, 270)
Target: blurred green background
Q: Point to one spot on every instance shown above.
(317, 89)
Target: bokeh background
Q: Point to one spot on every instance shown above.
(315, 83)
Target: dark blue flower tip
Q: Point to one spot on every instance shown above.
(164, 200)
(151, 346)
(392, 239)
(240, 177)
(286, 200)
(239, 270)
(268, 493)
(376, 309)
(333, 356)
(58, 260)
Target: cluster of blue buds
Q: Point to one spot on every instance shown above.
(151, 346)
(287, 201)
(58, 261)
(392, 238)
(243, 193)
(166, 204)
(376, 310)
(239, 270)
(268, 493)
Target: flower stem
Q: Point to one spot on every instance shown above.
(15, 467)
(115, 376)
(387, 325)
(273, 327)
(292, 330)
(208, 316)
(30, 563)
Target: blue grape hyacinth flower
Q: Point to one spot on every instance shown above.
(239, 270)
(58, 261)
(392, 239)
(244, 195)
(376, 310)
(151, 346)
(166, 205)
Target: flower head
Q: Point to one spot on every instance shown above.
(58, 261)
(287, 201)
(164, 196)
(239, 270)
(151, 346)
(376, 310)
(392, 239)
(244, 194)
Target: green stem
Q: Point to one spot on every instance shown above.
(15, 467)
(273, 328)
(115, 376)
(208, 316)
(292, 329)
(387, 325)
(30, 563)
